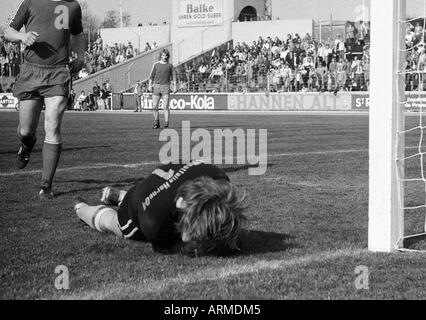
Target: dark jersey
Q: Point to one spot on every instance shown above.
(54, 21)
(151, 203)
(162, 73)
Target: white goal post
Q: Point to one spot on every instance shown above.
(390, 175)
(386, 216)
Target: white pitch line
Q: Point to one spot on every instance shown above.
(147, 286)
(149, 163)
(93, 167)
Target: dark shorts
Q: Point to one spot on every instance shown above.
(36, 82)
(161, 89)
(127, 223)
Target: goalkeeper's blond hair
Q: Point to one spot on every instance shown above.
(212, 217)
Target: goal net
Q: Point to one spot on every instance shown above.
(397, 177)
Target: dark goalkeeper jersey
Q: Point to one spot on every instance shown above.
(54, 21)
(151, 203)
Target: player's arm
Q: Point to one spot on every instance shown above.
(77, 41)
(174, 82)
(27, 38)
(151, 78)
(14, 25)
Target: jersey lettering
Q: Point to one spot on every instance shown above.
(163, 174)
(62, 21)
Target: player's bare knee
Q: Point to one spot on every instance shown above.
(53, 132)
(24, 131)
(53, 137)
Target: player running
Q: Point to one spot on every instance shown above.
(192, 209)
(162, 75)
(50, 28)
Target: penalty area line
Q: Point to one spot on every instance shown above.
(147, 286)
(99, 166)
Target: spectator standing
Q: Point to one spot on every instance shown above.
(81, 101)
(96, 94)
(104, 96)
(332, 68)
(202, 70)
(138, 96)
(147, 47)
(366, 68)
(418, 33)
(108, 91)
(339, 47)
(409, 37)
(358, 72)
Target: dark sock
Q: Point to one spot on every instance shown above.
(28, 142)
(51, 155)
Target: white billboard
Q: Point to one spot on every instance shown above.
(199, 13)
(8, 101)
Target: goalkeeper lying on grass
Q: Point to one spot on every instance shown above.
(191, 209)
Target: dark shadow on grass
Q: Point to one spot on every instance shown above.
(416, 242)
(63, 150)
(99, 184)
(256, 242)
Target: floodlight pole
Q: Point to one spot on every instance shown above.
(386, 193)
(121, 14)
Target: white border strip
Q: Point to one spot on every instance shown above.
(147, 286)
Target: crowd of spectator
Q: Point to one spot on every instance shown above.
(152, 24)
(10, 58)
(416, 57)
(97, 98)
(99, 56)
(292, 64)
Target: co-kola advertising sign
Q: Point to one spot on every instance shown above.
(197, 102)
(199, 13)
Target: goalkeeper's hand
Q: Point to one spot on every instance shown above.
(76, 66)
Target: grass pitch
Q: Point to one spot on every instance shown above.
(306, 234)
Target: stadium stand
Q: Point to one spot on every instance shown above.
(294, 64)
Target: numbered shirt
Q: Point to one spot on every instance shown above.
(152, 202)
(54, 21)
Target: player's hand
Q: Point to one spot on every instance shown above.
(76, 65)
(29, 38)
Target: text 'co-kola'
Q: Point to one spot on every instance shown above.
(196, 102)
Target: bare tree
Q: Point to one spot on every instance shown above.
(91, 22)
(112, 19)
